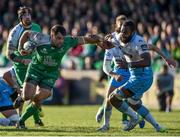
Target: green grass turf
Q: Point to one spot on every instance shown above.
(80, 121)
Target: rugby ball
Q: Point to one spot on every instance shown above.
(28, 46)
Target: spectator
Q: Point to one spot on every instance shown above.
(165, 85)
(159, 20)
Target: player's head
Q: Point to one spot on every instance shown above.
(119, 21)
(57, 35)
(128, 29)
(24, 15)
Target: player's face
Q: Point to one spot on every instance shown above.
(26, 18)
(58, 39)
(125, 34)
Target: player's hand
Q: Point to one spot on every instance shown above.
(108, 36)
(118, 77)
(26, 61)
(106, 45)
(170, 62)
(121, 63)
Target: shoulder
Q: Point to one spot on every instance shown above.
(138, 39)
(140, 42)
(36, 27)
(16, 29)
(35, 24)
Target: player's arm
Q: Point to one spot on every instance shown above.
(169, 61)
(35, 38)
(12, 47)
(94, 39)
(145, 61)
(107, 67)
(86, 40)
(25, 36)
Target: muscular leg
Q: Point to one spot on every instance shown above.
(29, 91)
(108, 106)
(33, 108)
(136, 104)
(41, 94)
(27, 94)
(116, 99)
(107, 110)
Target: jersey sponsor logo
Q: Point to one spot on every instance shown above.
(117, 59)
(44, 50)
(144, 47)
(49, 61)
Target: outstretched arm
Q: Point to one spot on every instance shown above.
(169, 61)
(23, 39)
(94, 39)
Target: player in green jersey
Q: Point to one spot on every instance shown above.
(43, 71)
(20, 63)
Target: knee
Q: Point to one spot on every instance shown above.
(114, 97)
(111, 97)
(37, 98)
(41, 96)
(135, 104)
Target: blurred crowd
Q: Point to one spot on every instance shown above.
(157, 20)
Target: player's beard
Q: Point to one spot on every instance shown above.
(27, 23)
(126, 39)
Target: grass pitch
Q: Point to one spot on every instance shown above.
(80, 121)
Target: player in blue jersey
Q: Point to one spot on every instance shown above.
(7, 96)
(136, 52)
(116, 56)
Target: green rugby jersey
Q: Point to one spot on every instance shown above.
(48, 58)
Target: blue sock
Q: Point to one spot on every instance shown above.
(124, 108)
(144, 112)
(107, 114)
